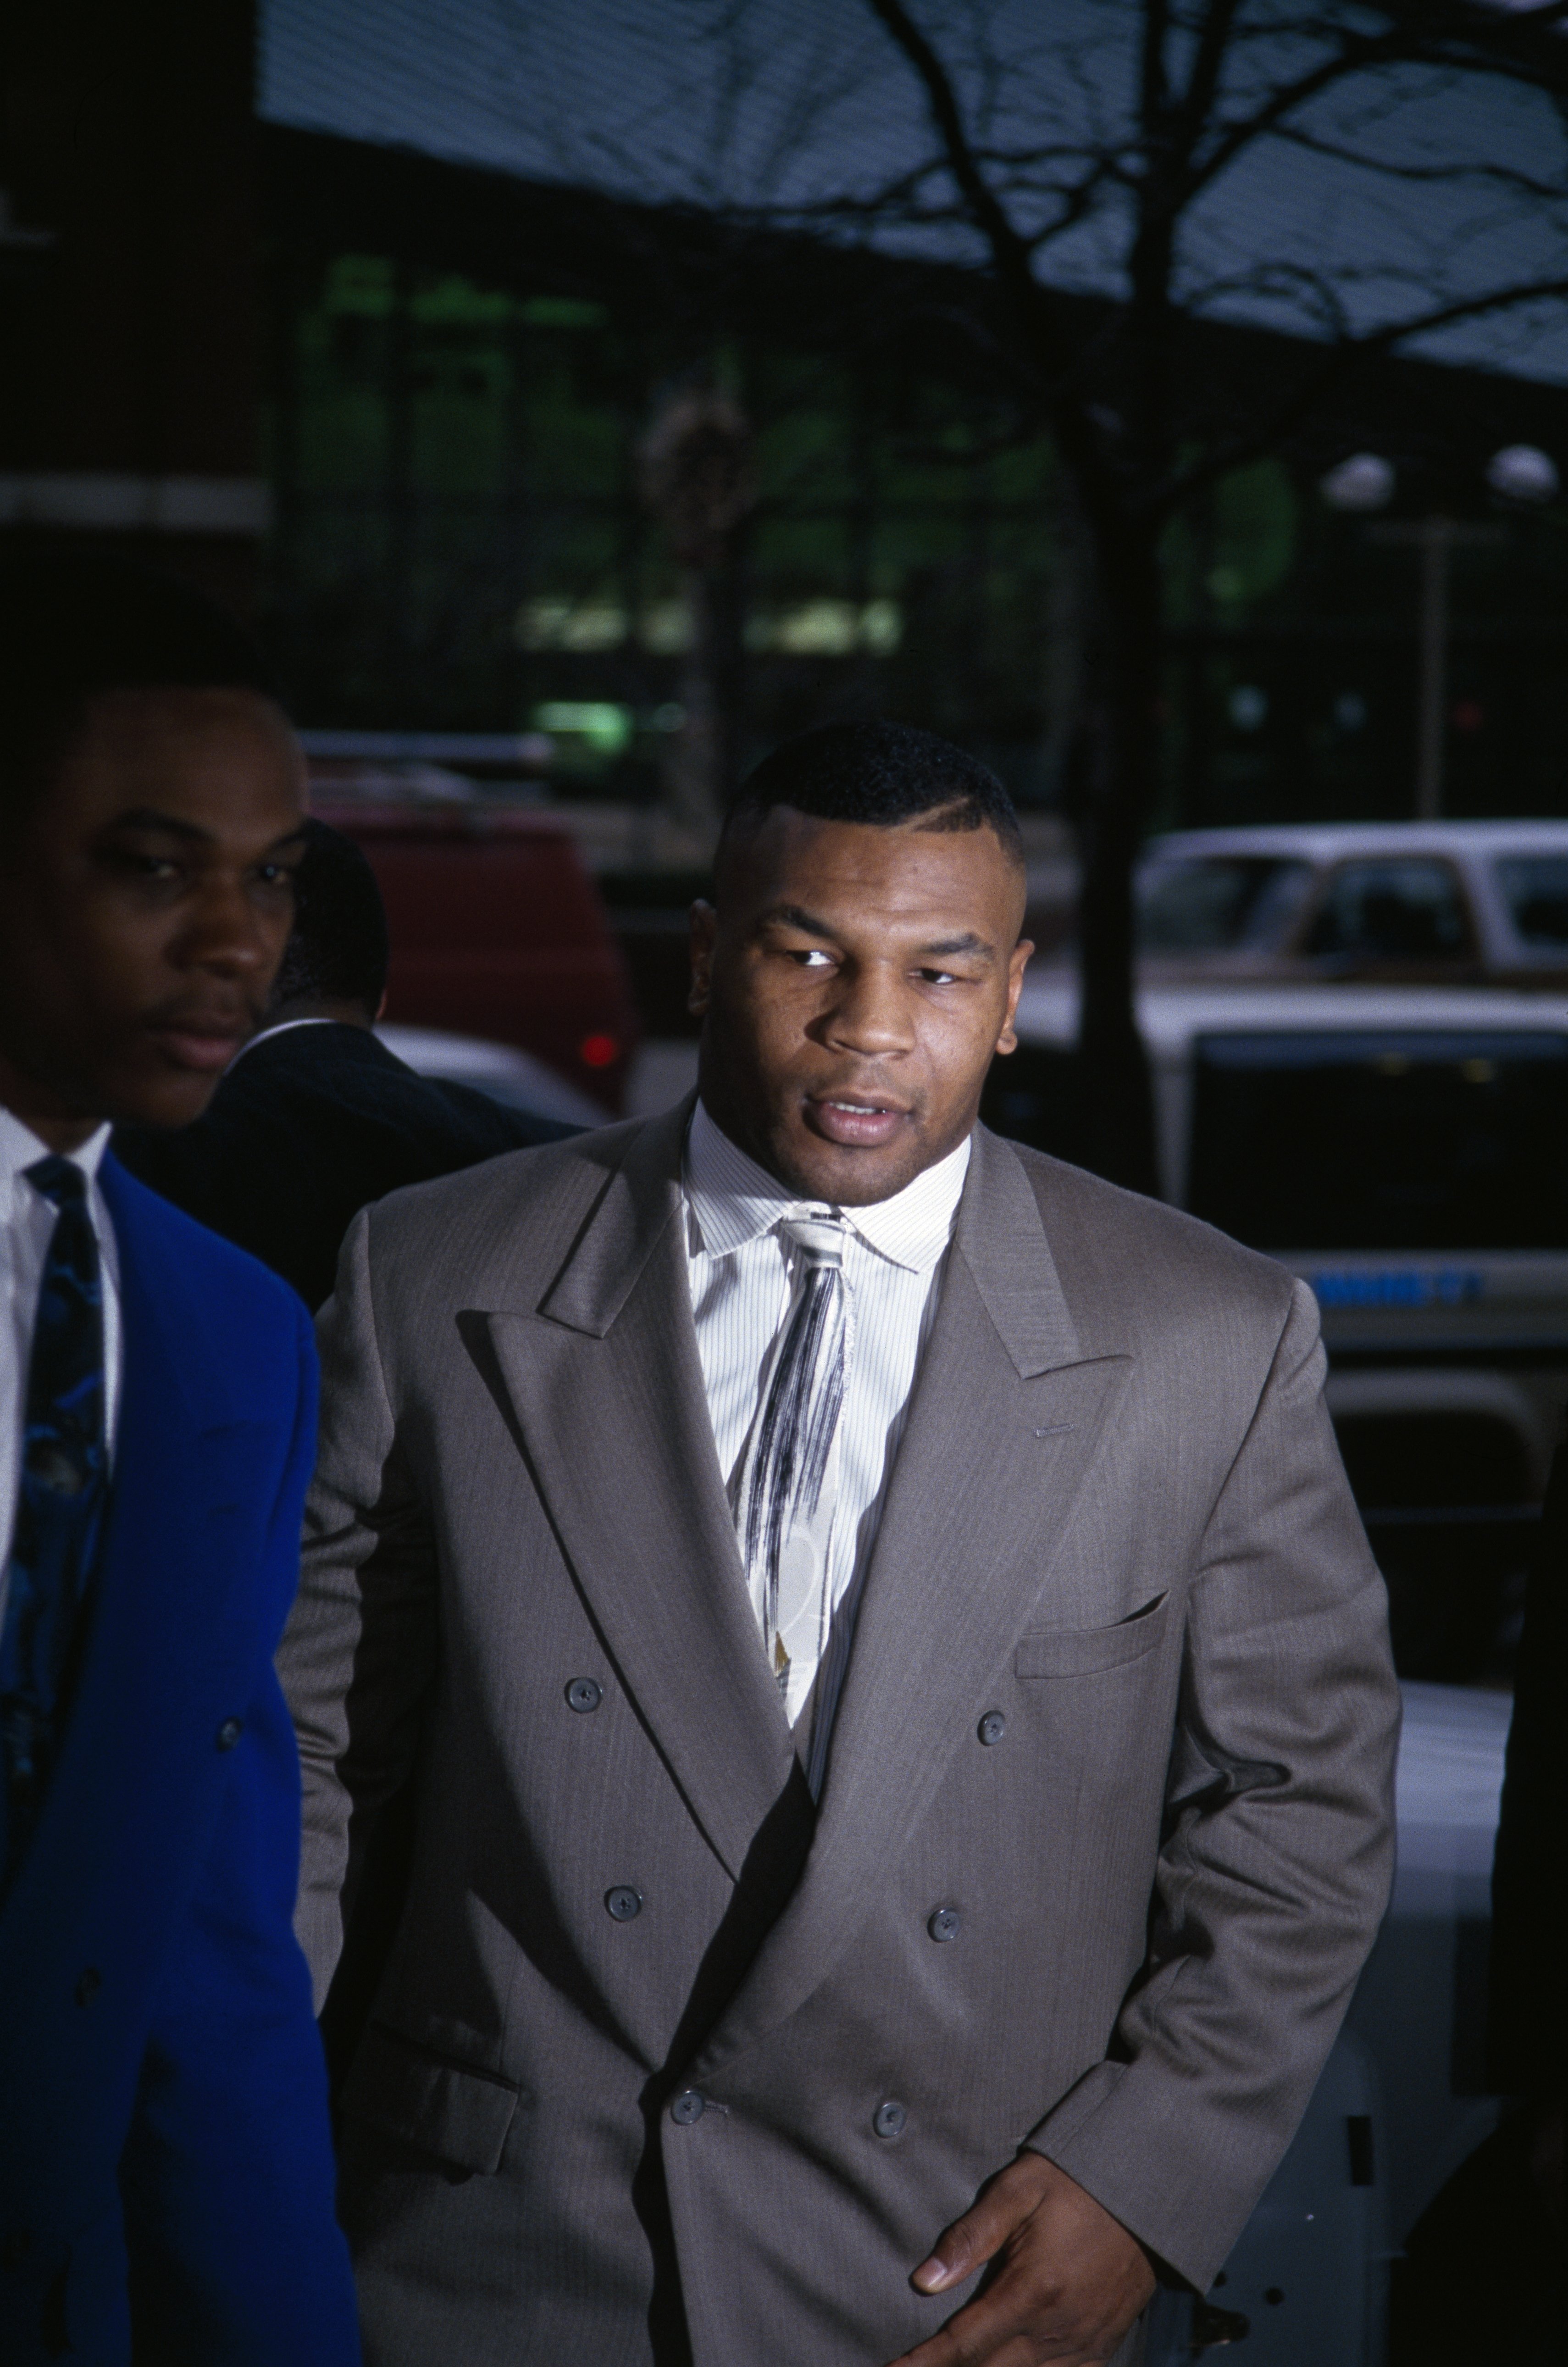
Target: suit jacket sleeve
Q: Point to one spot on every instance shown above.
(359, 1652)
(228, 2177)
(1278, 1855)
(1524, 2004)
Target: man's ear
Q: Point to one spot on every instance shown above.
(704, 930)
(1018, 961)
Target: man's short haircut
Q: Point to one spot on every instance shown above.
(884, 774)
(74, 625)
(339, 947)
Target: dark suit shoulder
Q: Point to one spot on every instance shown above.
(212, 1270)
(307, 1126)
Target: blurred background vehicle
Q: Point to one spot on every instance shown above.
(498, 929)
(514, 1079)
(1403, 2102)
(1447, 902)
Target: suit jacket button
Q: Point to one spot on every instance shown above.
(583, 1695)
(992, 1726)
(688, 2107)
(889, 2119)
(89, 1984)
(228, 1733)
(944, 1923)
(623, 1902)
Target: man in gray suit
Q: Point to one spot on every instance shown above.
(887, 1682)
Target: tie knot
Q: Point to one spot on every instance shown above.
(60, 1180)
(821, 1240)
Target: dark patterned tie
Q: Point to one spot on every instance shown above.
(60, 1503)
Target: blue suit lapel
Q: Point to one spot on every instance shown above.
(167, 1628)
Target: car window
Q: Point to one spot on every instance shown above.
(1407, 1139)
(1394, 910)
(1219, 903)
(1535, 889)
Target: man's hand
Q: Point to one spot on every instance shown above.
(1068, 2284)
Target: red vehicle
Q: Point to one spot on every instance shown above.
(496, 930)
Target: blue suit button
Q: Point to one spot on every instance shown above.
(228, 1733)
(583, 1695)
(688, 2107)
(992, 1726)
(623, 1902)
(889, 2119)
(944, 1923)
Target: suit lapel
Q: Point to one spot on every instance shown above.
(163, 1619)
(607, 1389)
(1008, 1418)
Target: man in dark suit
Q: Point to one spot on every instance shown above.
(166, 2180)
(316, 1118)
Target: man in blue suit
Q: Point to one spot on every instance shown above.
(166, 2182)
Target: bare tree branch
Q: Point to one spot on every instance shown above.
(1038, 310)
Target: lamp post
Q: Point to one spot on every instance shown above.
(1366, 482)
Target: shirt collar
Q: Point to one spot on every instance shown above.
(19, 1145)
(280, 1027)
(733, 1201)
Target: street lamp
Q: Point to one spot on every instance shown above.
(1523, 472)
(1364, 483)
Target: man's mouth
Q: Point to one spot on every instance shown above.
(204, 1043)
(860, 1123)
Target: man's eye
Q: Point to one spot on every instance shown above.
(940, 976)
(276, 875)
(812, 958)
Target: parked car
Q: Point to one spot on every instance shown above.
(512, 1078)
(1434, 902)
(497, 930)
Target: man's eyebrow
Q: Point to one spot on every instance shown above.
(969, 943)
(192, 833)
(169, 825)
(791, 917)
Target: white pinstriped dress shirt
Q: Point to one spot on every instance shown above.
(740, 1281)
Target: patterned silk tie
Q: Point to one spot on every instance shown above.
(60, 1503)
(788, 1480)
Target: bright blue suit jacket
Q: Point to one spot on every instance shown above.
(165, 2165)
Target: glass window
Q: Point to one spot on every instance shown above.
(1219, 903)
(1414, 1139)
(1392, 909)
(1535, 889)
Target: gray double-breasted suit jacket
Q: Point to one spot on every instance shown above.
(1105, 1834)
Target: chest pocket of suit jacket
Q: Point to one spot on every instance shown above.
(1086, 1651)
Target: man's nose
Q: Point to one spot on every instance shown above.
(870, 1012)
(224, 933)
